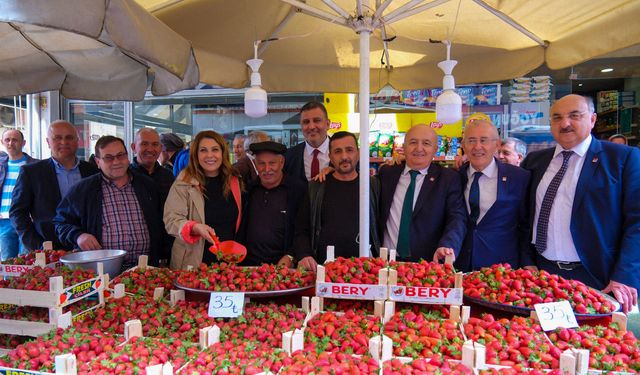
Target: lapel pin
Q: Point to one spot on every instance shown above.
(595, 159)
(504, 178)
(432, 179)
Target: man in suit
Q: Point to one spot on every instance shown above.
(41, 186)
(421, 205)
(512, 151)
(585, 206)
(496, 200)
(246, 166)
(307, 159)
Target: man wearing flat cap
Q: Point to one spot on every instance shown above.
(271, 208)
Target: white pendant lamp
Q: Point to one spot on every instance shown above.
(448, 103)
(255, 98)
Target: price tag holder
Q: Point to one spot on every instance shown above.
(226, 305)
(555, 314)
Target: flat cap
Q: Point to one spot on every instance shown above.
(268, 146)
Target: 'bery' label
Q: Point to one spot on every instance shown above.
(426, 295)
(352, 291)
(13, 269)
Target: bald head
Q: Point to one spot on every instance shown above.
(62, 138)
(420, 144)
(480, 143)
(572, 118)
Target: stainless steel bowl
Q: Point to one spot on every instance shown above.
(111, 260)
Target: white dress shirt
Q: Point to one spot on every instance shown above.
(560, 246)
(488, 184)
(393, 222)
(323, 157)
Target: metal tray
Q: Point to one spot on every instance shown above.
(527, 310)
(270, 293)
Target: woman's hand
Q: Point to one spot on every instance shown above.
(204, 231)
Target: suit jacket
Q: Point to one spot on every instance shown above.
(439, 215)
(502, 235)
(247, 170)
(80, 211)
(34, 202)
(294, 161)
(605, 218)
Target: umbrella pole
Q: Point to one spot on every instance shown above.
(363, 105)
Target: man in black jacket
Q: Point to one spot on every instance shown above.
(147, 148)
(41, 186)
(117, 209)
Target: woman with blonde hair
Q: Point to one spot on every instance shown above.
(204, 201)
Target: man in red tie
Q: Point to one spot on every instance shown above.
(307, 159)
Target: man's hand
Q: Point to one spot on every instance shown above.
(286, 261)
(626, 295)
(459, 160)
(442, 252)
(322, 176)
(308, 263)
(87, 241)
(204, 231)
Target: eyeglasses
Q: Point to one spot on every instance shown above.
(68, 138)
(483, 141)
(573, 116)
(110, 158)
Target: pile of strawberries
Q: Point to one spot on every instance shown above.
(610, 349)
(511, 342)
(414, 335)
(248, 358)
(325, 363)
(221, 277)
(524, 288)
(347, 333)
(144, 282)
(424, 274)
(41, 314)
(51, 256)
(354, 270)
(424, 366)
(38, 278)
(518, 370)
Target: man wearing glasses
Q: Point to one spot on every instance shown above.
(585, 206)
(496, 201)
(41, 185)
(115, 209)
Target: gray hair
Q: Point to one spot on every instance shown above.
(255, 137)
(240, 136)
(518, 145)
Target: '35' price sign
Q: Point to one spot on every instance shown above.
(555, 314)
(226, 305)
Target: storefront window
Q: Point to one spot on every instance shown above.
(93, 120)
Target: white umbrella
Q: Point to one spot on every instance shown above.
(90, 49)
(492, 39)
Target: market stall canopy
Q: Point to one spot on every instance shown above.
(91, 49)
(493, 40)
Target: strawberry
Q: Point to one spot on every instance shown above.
(354, 270)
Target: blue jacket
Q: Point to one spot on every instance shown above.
(81, 212)
(605, 218)
(502, 236)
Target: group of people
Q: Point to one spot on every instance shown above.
(570, 209)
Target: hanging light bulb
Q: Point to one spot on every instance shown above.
(255, 98)
(448, 103)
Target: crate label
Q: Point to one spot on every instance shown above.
(226, 304)
(5, 307)
(14, 269)
(352, 291)
(553, 315)
(426, 295)
(80, 291)
(14, 371)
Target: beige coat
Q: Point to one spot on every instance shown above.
(186, 203)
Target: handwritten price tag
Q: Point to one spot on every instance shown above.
(555, 314)
(226, 305)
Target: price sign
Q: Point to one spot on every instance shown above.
(555, 314)
(226, 305)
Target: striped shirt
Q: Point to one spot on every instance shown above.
(123, 224)
(13, 169)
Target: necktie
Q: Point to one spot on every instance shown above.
(315, 163)
(404, 233)
(474, 198)
(547, 203)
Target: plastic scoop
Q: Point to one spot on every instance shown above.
(228, 251)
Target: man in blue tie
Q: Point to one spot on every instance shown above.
(585, 206)
(422, 211)
(496, 199)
